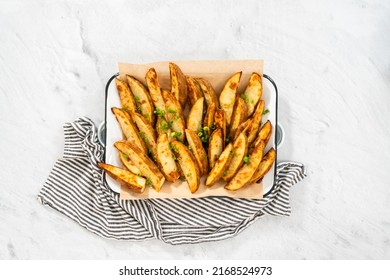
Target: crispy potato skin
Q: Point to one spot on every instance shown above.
(215, 146)
(142, 99)
(228, 95)
(220, 166)
(143, 162)
(174, 114)
(194, 90)
(244, 128)
(220, 122)
(253, 92)
(146, 132)
(209, 116)
(125, 96)
(264, 166)
(256, 121)
(240, 114)
(208, 92)
(128, 127)
(245, 173)
(130, 180)
(128, 164)
(240, 149)
(165, 159)
(195, 116)
(188, 165)
(154, 89)
(178, 84)
(196, 147)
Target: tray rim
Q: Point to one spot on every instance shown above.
(275, 134)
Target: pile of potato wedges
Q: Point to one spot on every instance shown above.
(190, 132)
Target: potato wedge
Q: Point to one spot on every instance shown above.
(147, 133)
(256, 122)
(215, 146)
(162, 126)
(130, 180)
(196, 147)
(193, 89)
(188, 164)
(264, 166)
(208, 92)
(142, 99)
(125, 96)
(165, 159)
(220, 165)
(240, 149)
(174, 115)
(146, 166)
(264, 134)
(209, 116)
(245, 173)
(128, 128)
(195, 116)
(228, 95)
(128, 164)
(253, 92)
(155, 91)
(244, 128)
(220, 122)
(178, 84)
(240, 114)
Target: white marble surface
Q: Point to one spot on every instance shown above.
(330, 59)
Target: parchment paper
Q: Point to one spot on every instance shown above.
(217, 72)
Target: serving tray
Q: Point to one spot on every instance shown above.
(180, 189)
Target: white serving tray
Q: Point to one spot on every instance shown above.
(170, 190)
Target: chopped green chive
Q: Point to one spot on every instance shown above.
(243, 96)
(125, 156)
(159, 112)
(265, 112)
(148, 181)
(246, 159)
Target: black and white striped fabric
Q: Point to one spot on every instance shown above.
(75, 187)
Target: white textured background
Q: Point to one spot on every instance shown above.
(330, 60)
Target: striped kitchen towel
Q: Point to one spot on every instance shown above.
(75, 187)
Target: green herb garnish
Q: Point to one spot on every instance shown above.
(265, 112)
(172, 111)
(246, 159)
(159, 112)
(148, 181)
(125, 156)
(245, 98)
(174, 148)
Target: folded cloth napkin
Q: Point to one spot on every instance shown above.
(75, 187)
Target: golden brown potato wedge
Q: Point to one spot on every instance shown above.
(195, 116)
(128, 164)
(256, 121)
(240, 149)
(142, 98)
(165, 159)
(209, 116)
(174, 115)
(215, 146)
(146, 166)
(155, 91)
(194, 90)
(125, 95)
(253, 92)
(128, 128)
(244, 128)
(264, 134)
(178, 84)
(147, 133)
(208, 92)
(220, 122)
(264, 166)
(245, 173)
(130, 180)
(240, 114)
(220, 165)
(228, 95)
(196, 147)
(188, 165)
